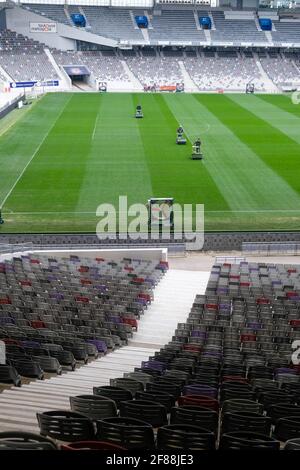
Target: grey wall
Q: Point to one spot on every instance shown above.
(11, 106)
(240, 4)
(18, 19)
(213, 241)
(2, 19)
(226, 3)
(250, 3)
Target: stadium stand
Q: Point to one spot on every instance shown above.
(226, 380)
(217, 72)
(236, 31)
(23, 58)
(233, 358)
(174, 25)
(286, 31)
(104, 66)
(281, 70)
(93, 360)
(52, 11)
(159, 70)
(77, 286)
(117, 24)
(209, 69)
(44, 329)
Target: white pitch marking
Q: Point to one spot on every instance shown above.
(32, 157)
(95, 126)
(9, 212)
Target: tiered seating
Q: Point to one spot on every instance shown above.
(228, 367)
(56, 312)
(156, 70)
(52, 11)
(236, 30)
(114, 23)
(219, 72)
(226, 380)
(286, 32)
(23, 58)
(174, 25)
(104, 66)
(282, 71)
(171, 25)
(108, 22)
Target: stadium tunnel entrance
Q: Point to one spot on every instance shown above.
(80, 76)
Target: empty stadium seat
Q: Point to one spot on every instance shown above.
(128, 432)
(65, 426)
(185, 436)
(25, 441)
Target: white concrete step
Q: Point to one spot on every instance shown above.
(173, 300)
(270, 85)
(196, 18)
(66, 82)
(189, 84)
(135, 83)
(207, 35)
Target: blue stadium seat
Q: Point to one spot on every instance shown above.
(141, 21)
(205, 22)
(265, 24)
(78, 20)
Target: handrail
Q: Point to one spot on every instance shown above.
(230, 259)
(25, 247)
(271, 248)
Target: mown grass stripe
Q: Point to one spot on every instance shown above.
(30, 161)
(52, 181)
(116, 163)
(74, 172)
(273, 148)
(280, 119)
(22, 140)
(244, 180)
(283, 102)
(173, 173)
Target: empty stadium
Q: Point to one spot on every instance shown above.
(134, 336)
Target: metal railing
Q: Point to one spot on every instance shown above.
(2, 353)
(271, 249)
(173, 248)
(10, 248)
(229, 259)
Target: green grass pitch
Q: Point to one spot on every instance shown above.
(72, 152)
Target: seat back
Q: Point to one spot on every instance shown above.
(128, 432)
(116, 394)
(185, 436)
(152, 412)
(94, 406)
(243, 440)
(163, 398)
(65, 426)
(245, 421)
(196, 416)
(287, 428)
(25, 441)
